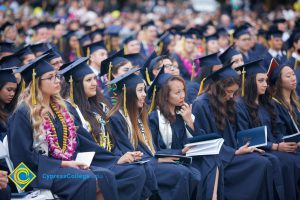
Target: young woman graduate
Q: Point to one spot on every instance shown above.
(246, 175)
(42, 135)
(89, 107)
(128, 122)
(231, 56)
(171, 123)
(255, 109)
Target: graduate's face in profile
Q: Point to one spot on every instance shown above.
(133, 46)
(213, 46)
(98, 56)
(261, 83)
(56, 63)
(140, 94)
(7, 92)
(231, 91)
(288, 78)
(90, 85)
(237, 60)
(123, 69)
(170, 68)
(189, 45)
(277, 43)
(177, 93)
(50, 83)
(28, 58)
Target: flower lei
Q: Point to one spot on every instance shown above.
(69, 135)
(188, 65)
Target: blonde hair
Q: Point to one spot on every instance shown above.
(180, 49)
(39, 111)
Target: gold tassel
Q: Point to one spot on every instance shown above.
(109, 71)
(33, 97)
(193, 71)
(78, 51)
(270, 42)
(243, 81)
(153, 100)
(124, 101)
(147, 76)
(23, 86)
(296, 64)
(160, 48)
(289, 54)
(125, 50)
(101, 140)
(108, 144)
(201, 86)
(88, 52)
(204, 45)
(71, 91)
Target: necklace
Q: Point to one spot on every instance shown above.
(69, 134)
(103, 140)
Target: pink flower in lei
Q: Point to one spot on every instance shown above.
(188, 65)
(52, 140)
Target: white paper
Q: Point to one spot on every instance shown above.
(86, 157)
(209, 147)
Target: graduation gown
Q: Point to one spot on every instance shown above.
(284, 166)
(20, 141)
(245, 176)
(130, 178)
(192, 89)
(205, 164)
(174, 181)
(5, 193)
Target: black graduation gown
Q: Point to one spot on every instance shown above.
(20, 140)
(130, 178)
(205, 164)
(5, 193)
(174, 181)
(245, 176)
(284, 166)
(192, 89)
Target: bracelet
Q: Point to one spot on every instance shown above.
(277, 147)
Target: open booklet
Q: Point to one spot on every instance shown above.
(257, 137)
(209, 144)
(181, 160)
(86, 157)
(292, 138)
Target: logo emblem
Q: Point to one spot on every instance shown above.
(22, 176)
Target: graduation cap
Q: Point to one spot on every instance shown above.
(129, 39)
(6, 75)
(274, 74)
(223, 73)
(34, 69)
(176, 29)
(157, 83)
(98, 31)
(113, 30)
(222, 32)
(5, 25)
(147, 24)
(40, 47)
(189, 34)
(164, 40)
(279, 21)
(274, 32)
(7, 47)
(10, 61)
(41, 25)
(214, 36)
(136, 59)
(26, 50)
(196, 32)
(145, 69)
(227, 55)
(242, 30)
(69, 34)
(91, 48)
(85, 38)
(110, 62)
(207, 25)
(75, 71)
(51, 54)
(124, 81)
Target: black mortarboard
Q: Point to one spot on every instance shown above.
(10, 61)
(69, 34)
(274, 74)
(242, 30)
(40, 47)
(252, 68)
(26, 50)
(39, 65)
(214, 36)
(113, 30)
(91, 48)
(96, 32)
(227, 55)
(189, 34)
(209, 60)
(8, 47)
(223, 73)
(145, 71)
(77, 69)
(6, 24)
(274, 32)
(112, 61)
(129, 39)
(196, 32)
(136, 59)
(85, 38)
(41, 25)
(222, 32)
(279, 20)
(147, 24)
(52, 53)
(129, 79)
(6, 75)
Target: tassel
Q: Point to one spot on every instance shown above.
(108, 144)
(204, 45)
(193, 71)
(201, 86)
(124, 101)
(88, 52)
(71, 91)
(23, 86)
(296, 64)
(153, 100)
(231, 38)
(78, 51)
(109, 71)
(270, 42)
(243, 81)
(33, 97)
(160, 48)
(147, 76)
(125, 50)
(289, 54)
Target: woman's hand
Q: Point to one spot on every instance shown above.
(3, 179)
(246, 149)
(168, 160)
(130, 157)
(287, 146)
(186, 113)
(184, 150)
(74, 164)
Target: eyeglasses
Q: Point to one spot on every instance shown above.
(171, 67)
(52, 78)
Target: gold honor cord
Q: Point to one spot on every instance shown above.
(201, 86)
(243, 81)
(153, 99)
(147, 76)
(33, 97)
(71, 91)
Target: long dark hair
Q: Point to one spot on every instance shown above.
(89, 105)
(8, 108)
(162, 97)
(222, 108)
(264, 100)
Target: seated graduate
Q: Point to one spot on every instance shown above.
(215, 113)
(42, 135)
(128, 123)
(171, 122)
(89, 107)
(4, 188)
(231, 56)
(255, 109)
